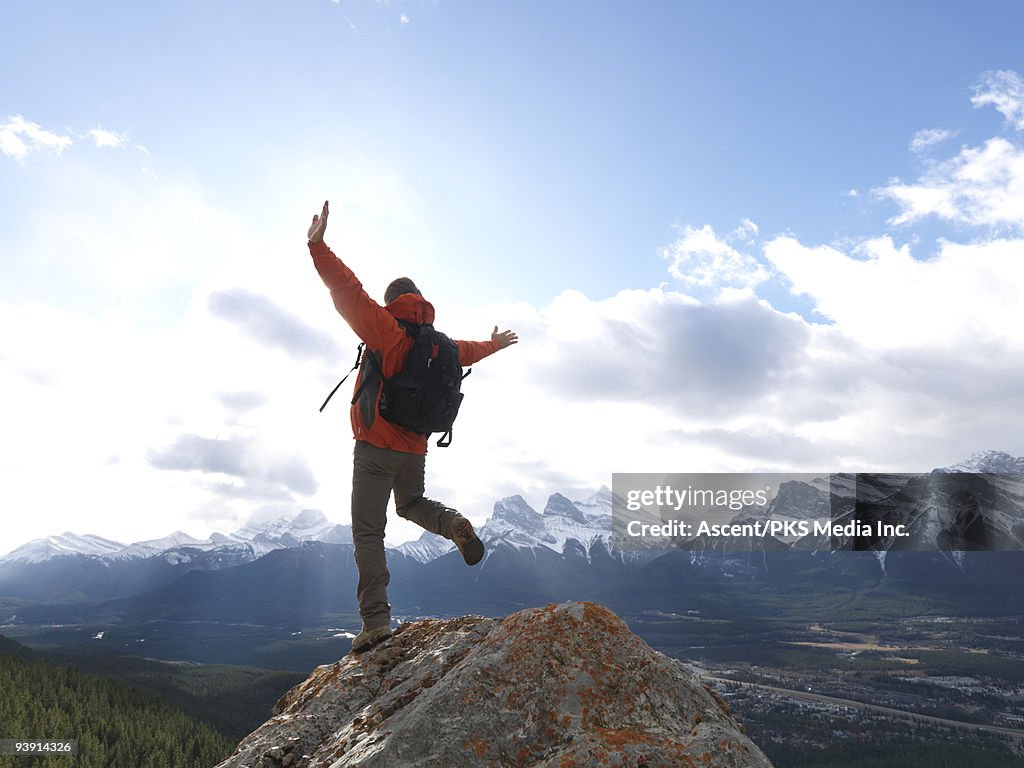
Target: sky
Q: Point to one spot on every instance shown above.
(740, 236)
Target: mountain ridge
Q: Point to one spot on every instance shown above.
(568, 544)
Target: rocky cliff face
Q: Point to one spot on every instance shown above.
(565, 685)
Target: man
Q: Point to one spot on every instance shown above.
(386, 457)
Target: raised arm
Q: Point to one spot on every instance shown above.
(370, 321)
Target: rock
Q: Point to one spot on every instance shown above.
(564, 685)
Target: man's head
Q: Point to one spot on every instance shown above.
(398, 287)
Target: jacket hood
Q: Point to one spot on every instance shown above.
(412, 308)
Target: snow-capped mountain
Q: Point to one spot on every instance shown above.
(144, 549)
(566, 551)
(576, 533)
(308, 525)
(995, 462)
(952, 511)
(41, 550)
(247, 543)
(977, 503)
(427, 547)
(515, 523)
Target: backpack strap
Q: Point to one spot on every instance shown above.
(412, 329)
(359, 354)
(446, 439)
(371, 358)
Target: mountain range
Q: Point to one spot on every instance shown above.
(513, 523)
(247, 543)
(82, 570)
(293, 572)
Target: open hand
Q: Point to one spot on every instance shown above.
(504, 339)
(316, 229)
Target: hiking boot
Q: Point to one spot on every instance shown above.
(467, 541)
(368, 638)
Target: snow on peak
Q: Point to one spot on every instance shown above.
(514, 518)
(427, 547)
(992, 462)
(310, 518)
(143, 549)
(64, 545)
(336, 534)
(559, 506)
(516, 523)
(250, 541)
(304, 526)
(598, 507)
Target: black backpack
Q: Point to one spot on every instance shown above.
(425, 395)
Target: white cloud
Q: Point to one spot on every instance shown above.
(1003, 90)
(746, 231)
(104, 138)
(928, 138)
(700, 258)
(18, 137)
(883, 298)
(980, 186)
(403, 19)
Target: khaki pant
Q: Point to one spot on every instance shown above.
(376, 472)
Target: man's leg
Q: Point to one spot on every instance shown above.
(433, 515)
(411, 504)
(373, 474)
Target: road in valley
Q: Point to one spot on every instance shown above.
(1013, 733)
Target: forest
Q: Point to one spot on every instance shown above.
(116, 725)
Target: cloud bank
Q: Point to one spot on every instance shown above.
(242, 459)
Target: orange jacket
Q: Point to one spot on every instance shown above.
(378, 327)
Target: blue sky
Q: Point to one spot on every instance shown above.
(808, 214)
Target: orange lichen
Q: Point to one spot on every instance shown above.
(478, 745)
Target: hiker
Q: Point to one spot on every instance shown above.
(387, 457)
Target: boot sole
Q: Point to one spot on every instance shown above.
(473, 551)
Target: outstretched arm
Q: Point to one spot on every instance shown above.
(473, 351)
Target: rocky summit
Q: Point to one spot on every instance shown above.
(559, 686)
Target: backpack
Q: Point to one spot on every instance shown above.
(425, 395)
